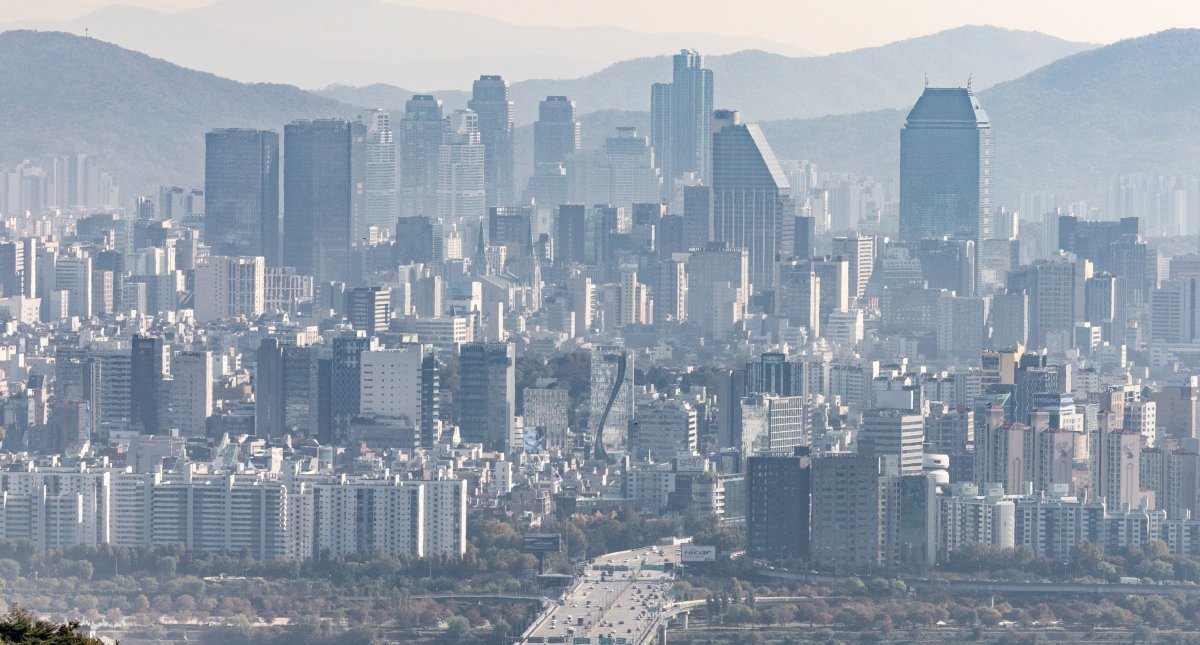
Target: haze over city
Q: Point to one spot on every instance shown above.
(599, 323)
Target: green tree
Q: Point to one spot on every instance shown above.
(19, 626)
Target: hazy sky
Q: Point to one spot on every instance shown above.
(820, 26)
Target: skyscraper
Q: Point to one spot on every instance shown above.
(556, 132)
(420, 142)
(946, 167)
(680, 119)
(147, 367)
(752, 202)
(612, 403)
(241, 193)
(777, 507)
(323, 192)
(381, 206)
(460, 184)
(488, 394)
(489, 99)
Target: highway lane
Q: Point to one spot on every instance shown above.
(616, 598)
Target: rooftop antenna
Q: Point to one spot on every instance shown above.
(970, 77)
(85, 32)
(926, 79)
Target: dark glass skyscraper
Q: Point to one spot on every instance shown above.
(680, 125)
(752, 201)
(556, 132)
(146, 371)
(241, 193)
(488, 394)
(324, 198)
(420, 142)
(946, 167)
(489, 99)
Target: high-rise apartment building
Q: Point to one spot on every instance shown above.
(777, 507)
(241, 193)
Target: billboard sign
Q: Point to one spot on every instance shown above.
(542, 543)
(697, 553)
(689, 464)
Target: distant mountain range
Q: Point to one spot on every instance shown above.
(145, 117)
(366, 41)
(1069, 127)
(767, 86)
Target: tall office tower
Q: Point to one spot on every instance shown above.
(229, 287)
(947, 264)
(772, 373)
(391, 384)
(1178, 408)
(1055, 288)
(804, 237)
(460, 183)
(895, 433)
(380, 201)
(345, 381)
(556, 132)
(681, 120)
(14, 262)
(946, 167)
(611, 396)
(73, 274)
(859, 251)
(420, 145)
(697, 216)
(627, 175)
(798, 296)
(512, 228)
(752, 202)
(1175, 312)
(489, 99)
(369, 309)
(431, 396)
(715, 272)
(670, 292)
(835, 285)
(241, 193)
(1100, 302)
(323, 220)
(570, 234)
(487, 396)
(414, 240)
(147, 367)
(1009, 319)
(961, 326)
(772, 424)
(191, 392)
(855, 510)
(777, 507)
(287, 391)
